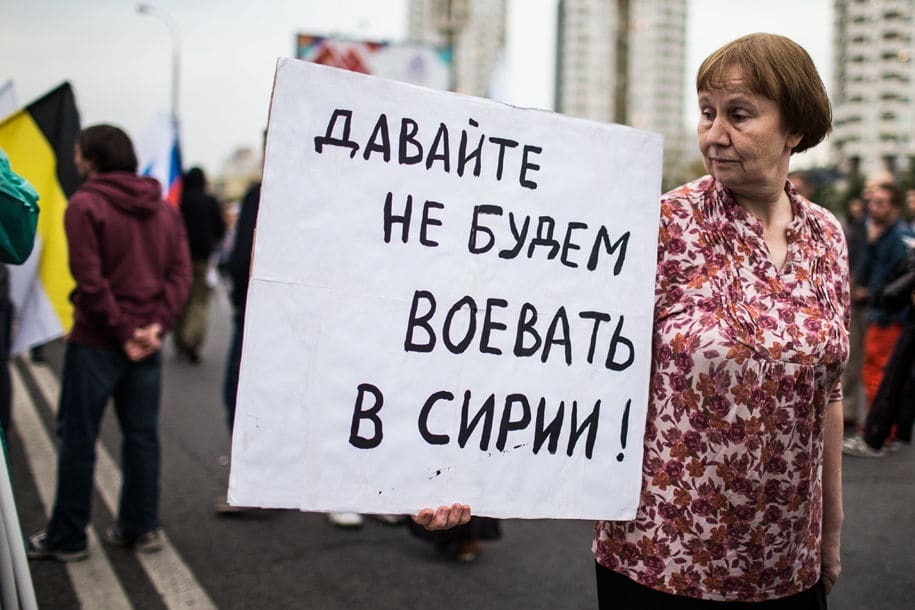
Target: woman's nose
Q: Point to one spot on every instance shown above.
(717, 132)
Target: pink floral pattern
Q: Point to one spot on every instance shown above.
(746, 357)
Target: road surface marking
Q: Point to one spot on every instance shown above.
(94, 580)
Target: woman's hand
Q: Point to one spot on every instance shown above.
(444, 517)
(830, 545)
(830, 575)
(831, 563)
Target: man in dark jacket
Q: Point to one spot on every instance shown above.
(239, 270)
(129, 257)
(893, 411)
(205, 229)
(886, 249)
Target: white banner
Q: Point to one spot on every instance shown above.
(451, 301)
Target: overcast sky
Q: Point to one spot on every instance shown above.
(119, 62)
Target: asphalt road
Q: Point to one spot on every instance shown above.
(287, 559)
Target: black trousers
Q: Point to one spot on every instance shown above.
(893, 404)
(618, 592)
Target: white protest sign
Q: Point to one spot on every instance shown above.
(451, 301)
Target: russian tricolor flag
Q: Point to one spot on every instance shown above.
(159, 154)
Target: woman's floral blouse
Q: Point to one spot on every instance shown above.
(746, 357)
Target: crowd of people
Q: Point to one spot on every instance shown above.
(880, 376)
(775, 293)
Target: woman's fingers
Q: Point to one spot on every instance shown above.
(444, 517)
(461, 512)
(447, 517)
(424, 517)
(441, 519)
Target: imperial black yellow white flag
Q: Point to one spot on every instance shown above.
(39, 141)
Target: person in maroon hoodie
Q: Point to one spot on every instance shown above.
(129, 256)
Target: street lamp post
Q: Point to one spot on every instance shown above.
(621, 85)
(450, 17)
(148, 9)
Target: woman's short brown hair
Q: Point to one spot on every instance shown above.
(780, 69)
(108, 148)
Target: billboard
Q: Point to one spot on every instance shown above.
(414, 63)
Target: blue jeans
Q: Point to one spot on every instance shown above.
(92, 376)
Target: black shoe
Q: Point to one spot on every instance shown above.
(190, 353)
(150, 542)
(37, 354)
(37, 548)
(193, 355)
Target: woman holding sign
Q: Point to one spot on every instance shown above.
(741, 491)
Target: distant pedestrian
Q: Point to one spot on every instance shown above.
(891, 416)
(18, 222)
(885, 251)
(238, 268)
(461, 543)
(128, 255)
(910, 208)
(855, 227)
(205, 227)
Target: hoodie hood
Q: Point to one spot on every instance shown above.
(133, 194)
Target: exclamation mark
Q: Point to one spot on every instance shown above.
(624, 431)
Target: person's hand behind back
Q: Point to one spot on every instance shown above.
(146, 341)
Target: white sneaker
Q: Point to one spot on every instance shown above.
(855, 446)
(391, 519)
(351, 520)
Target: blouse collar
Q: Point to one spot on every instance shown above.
(801, 218)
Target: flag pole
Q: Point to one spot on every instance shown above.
(152, 11)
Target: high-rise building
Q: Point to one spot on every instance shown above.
(586, 58)
(623, 61)
(874, 85)
(478, 44)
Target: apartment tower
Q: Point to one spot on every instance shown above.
(623, 61)
(873, 91)
(478, 44)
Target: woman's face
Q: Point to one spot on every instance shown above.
(743, 141)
